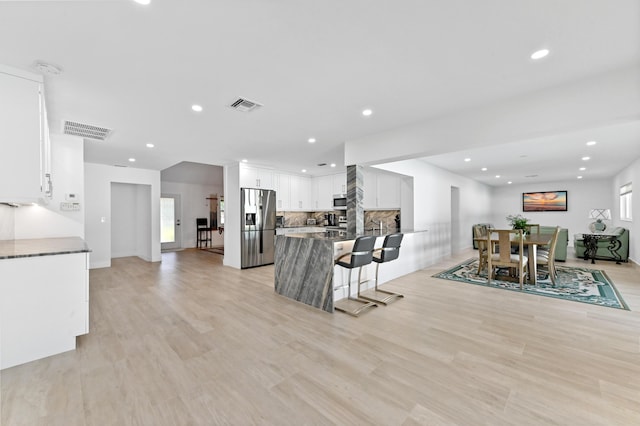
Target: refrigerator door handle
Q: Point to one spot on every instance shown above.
(261, 243)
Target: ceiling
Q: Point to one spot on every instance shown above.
(314, 66)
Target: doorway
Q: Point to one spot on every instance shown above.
(170, 231)
(131, 232)
(455, 219)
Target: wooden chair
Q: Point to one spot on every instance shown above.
(532, 228)
(501, 256)
(547, 257)
(480, 231)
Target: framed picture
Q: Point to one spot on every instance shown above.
(548, 201)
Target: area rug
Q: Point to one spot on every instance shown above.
(575, 284)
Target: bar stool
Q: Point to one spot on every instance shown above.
(203, 232)
(361, 255)
(389, 251)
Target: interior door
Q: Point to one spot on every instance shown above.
(170, 230)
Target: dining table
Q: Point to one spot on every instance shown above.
(531, 241)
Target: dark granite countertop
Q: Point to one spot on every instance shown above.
(10, 249)
(341, 235)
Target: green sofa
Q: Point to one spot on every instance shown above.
(603, 251)
(561, 245)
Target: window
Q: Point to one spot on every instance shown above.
(625, 202)
(167, 220)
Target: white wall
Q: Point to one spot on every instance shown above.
(98, 179)
(67, 171)
(232, 216)
(630, 174)
(582, 196)
(432, 205)
(194, 204)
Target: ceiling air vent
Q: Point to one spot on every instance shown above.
(86, 130)
(244, 105)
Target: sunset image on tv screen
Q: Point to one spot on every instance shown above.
(544, 201)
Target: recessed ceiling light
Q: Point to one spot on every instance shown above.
(312, 140)
(539, 54)
(150, 145)
(244, 160)
(582, 169)
(196, 108)
(579, 177)
(132, 160)
(333, 164)
(591, 143)
(144, 2)
(304, 170)
(484, 169)
(586, 158)
(367, 112)
(497, 176)
(509, 183)
(467, 159)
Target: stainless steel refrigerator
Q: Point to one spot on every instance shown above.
(258, 226)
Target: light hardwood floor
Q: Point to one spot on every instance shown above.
(189, 341)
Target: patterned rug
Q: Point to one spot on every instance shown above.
(576, 284)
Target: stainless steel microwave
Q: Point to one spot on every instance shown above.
(339, 202)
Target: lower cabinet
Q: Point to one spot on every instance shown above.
(44, 305)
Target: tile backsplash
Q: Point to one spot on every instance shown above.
(372, 218)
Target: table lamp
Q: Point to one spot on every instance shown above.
(599, 215)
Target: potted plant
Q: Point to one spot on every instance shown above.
(518, 222)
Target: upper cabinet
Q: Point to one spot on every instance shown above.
(255, 177)
(300, 193)
(25, 175)
(322, 192)
(381, 190)
(339, 183)
(283, 191)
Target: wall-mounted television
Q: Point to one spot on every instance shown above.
(546, 201)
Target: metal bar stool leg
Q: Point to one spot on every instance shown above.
(389, 251)
(366, 304)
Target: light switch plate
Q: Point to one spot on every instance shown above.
(69, 207)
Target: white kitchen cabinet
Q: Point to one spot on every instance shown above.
(322, 193)
(381, 190)
(282, 183)
(44, 305)
(23, 137)
(255, 177)
(339, 183)
(300, 193)
(370, 189)
(388, 190)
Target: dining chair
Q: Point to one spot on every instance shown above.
(547, 257)
(501, 256)
(532, 228)
(480, 231)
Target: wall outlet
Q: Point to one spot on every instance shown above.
(69, 207)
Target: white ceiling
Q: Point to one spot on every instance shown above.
(314, 65)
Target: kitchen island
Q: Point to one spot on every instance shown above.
(44, 297)
(305, 272)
